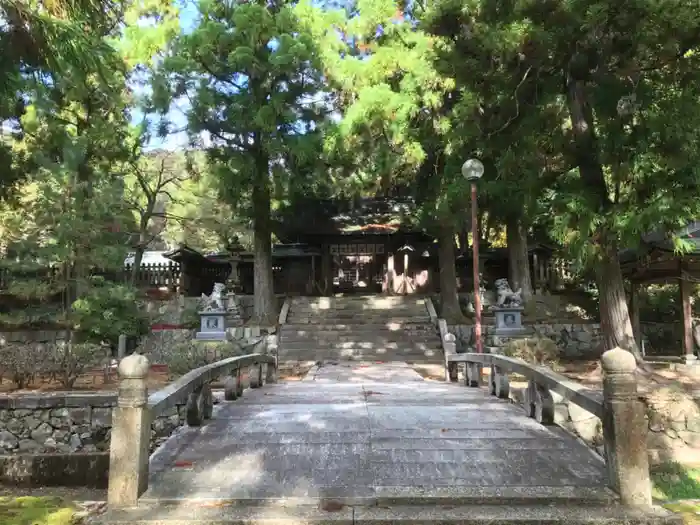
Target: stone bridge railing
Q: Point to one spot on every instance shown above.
(136, 409)
(619, 408)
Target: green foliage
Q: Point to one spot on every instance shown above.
(197, 216)
(533, 350)
(190, 317)
(36, 510)
(585, 114)
(674, 481)
(106, 312)
(257, 81)
(660, 303)
(251, 72)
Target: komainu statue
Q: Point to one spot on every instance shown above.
(215, 301)
(506, 297)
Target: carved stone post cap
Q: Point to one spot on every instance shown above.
(134, 366)
(450, 338)
(618, 361)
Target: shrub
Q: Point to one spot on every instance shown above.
(106, 312)
(190, 315)
(68, 361)
(535, 350)
(22, 362)
(186, 356)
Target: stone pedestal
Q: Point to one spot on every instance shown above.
(625, 430)
(213, 326)
(234, 316)
(509, 321)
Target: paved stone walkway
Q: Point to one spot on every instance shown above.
(372, 433)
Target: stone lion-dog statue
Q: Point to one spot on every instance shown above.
(506, 296)
(215, 301)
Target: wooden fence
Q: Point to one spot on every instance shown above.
(147, 276)
(552, 273)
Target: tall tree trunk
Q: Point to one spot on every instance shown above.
(449, 300)
(264, 301)
(144, 241)
(615, 320)
(138, 257)
(518, 260)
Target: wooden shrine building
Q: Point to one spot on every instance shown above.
(362, 246)
(657, 261)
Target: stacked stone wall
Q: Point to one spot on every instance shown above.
(67, 428)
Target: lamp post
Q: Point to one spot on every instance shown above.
(472, 170)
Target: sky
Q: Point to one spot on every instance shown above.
(178, 113)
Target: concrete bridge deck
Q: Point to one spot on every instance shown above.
(371, 435)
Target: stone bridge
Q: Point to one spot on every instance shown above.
(376, 443)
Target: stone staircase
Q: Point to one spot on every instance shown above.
(359, 328)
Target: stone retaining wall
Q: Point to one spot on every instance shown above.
(63, 425)
(673, 419)
(576, 341)
(34, 336)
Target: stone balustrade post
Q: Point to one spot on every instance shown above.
(472, 374)
(271, 374)
(449, 346)
(233, 386)
(273, 347)
(131, 434)
(625, 429)
(255, 375)
(121, 349)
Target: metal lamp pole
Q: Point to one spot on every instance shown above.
(472, 170)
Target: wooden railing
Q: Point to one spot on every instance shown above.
(551, 273)
(447, 340)
(154, 275)
(147, 276)
(136, 409)
(619, 407)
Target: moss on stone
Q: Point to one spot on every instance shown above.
(35, 510)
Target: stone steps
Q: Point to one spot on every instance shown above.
(383, 322)
(362, 299)
(373, 328)
(330, 512)
(419, 329)
(361, 354)
(371, 337)
(361, 345)
(356, 309)
(355, 319)
(362, 305)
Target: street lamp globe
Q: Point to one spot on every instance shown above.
(472, 170)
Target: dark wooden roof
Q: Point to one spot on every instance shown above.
(368, 216)
(185, 254)
(279, 251)
(656, 258)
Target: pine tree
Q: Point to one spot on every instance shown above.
(252, 73)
